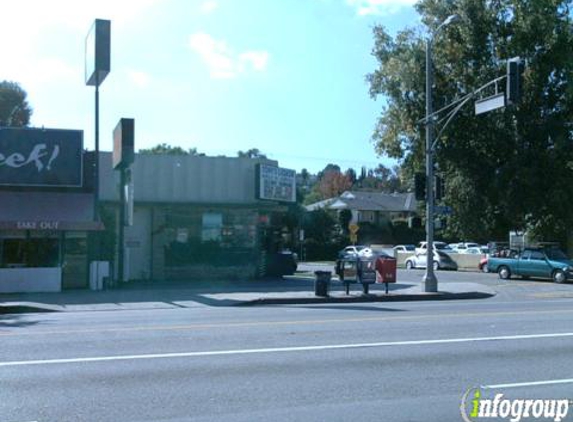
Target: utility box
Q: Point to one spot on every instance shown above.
(99, 270)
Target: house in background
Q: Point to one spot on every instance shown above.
(371, 207)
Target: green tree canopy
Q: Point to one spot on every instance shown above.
(505, 169)
(14, 107)
(168, 149)
(251, 153)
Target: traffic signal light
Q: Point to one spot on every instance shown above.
(440, 188)
(515, 70)
(420, 186)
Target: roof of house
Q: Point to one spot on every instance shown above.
(369, 201)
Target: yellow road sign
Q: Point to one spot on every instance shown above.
(353, 227)
(353, 238)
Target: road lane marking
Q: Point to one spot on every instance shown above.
(423, 317)
(289, 322)
(283, 349)
(530, 384)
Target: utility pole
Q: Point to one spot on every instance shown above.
(430, 281)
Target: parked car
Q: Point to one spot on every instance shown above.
(549, 263)
(282, 263)
(354, 251)
(437, 246)
(462, 247)
(483, 265)
(472, 250)
(442, 261)
(404, 248)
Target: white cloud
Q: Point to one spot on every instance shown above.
(379, 7)
(209, 6)
(222, 62)
(28, 24)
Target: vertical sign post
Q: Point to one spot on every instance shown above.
(97, 66)
(123, 156)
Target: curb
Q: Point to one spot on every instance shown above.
(367, 298)
(24, 309)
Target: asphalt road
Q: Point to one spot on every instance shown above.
(363, 362)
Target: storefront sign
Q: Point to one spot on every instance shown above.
(41, 157)
(52, 225)
(276, 184)
(37, 225)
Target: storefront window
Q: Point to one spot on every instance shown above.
(212, 227)
(30, 252)
(13, 253)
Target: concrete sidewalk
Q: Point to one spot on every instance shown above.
(172, 295)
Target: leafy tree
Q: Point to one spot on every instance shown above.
(14, 108)
(170, 150)
(506, 169)
(351, 175)
(333, 184)
(251, 153)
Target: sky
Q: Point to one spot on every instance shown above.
(284, 76)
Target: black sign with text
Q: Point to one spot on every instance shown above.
(41, 157)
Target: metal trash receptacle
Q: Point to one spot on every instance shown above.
(322, 283)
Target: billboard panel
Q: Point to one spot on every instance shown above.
(275, 183)
(123, 140)
(41, 157)
(97, 52)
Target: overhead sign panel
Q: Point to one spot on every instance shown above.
(490, 103)
(41, 157)
(98, 52)
(275, 183)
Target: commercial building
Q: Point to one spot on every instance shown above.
(198, 217)
(190, 217)
(46, 209)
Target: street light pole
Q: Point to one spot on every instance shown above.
(429, 280)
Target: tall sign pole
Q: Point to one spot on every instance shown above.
(97, 67)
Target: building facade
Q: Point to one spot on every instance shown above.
(46, 210)
(194, 217)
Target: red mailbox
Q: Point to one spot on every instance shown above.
(386, 271)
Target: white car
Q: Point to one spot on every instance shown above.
(354, 251)
(441, 261)
(404, 248)
(462, 247)
(438, 246)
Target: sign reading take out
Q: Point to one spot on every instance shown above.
(41, 157)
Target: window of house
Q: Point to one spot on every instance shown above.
(212, 227)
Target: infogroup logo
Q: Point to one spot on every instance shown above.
(476, 407)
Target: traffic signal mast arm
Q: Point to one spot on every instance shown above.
(459, 103)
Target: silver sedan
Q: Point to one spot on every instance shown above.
(442, 261)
